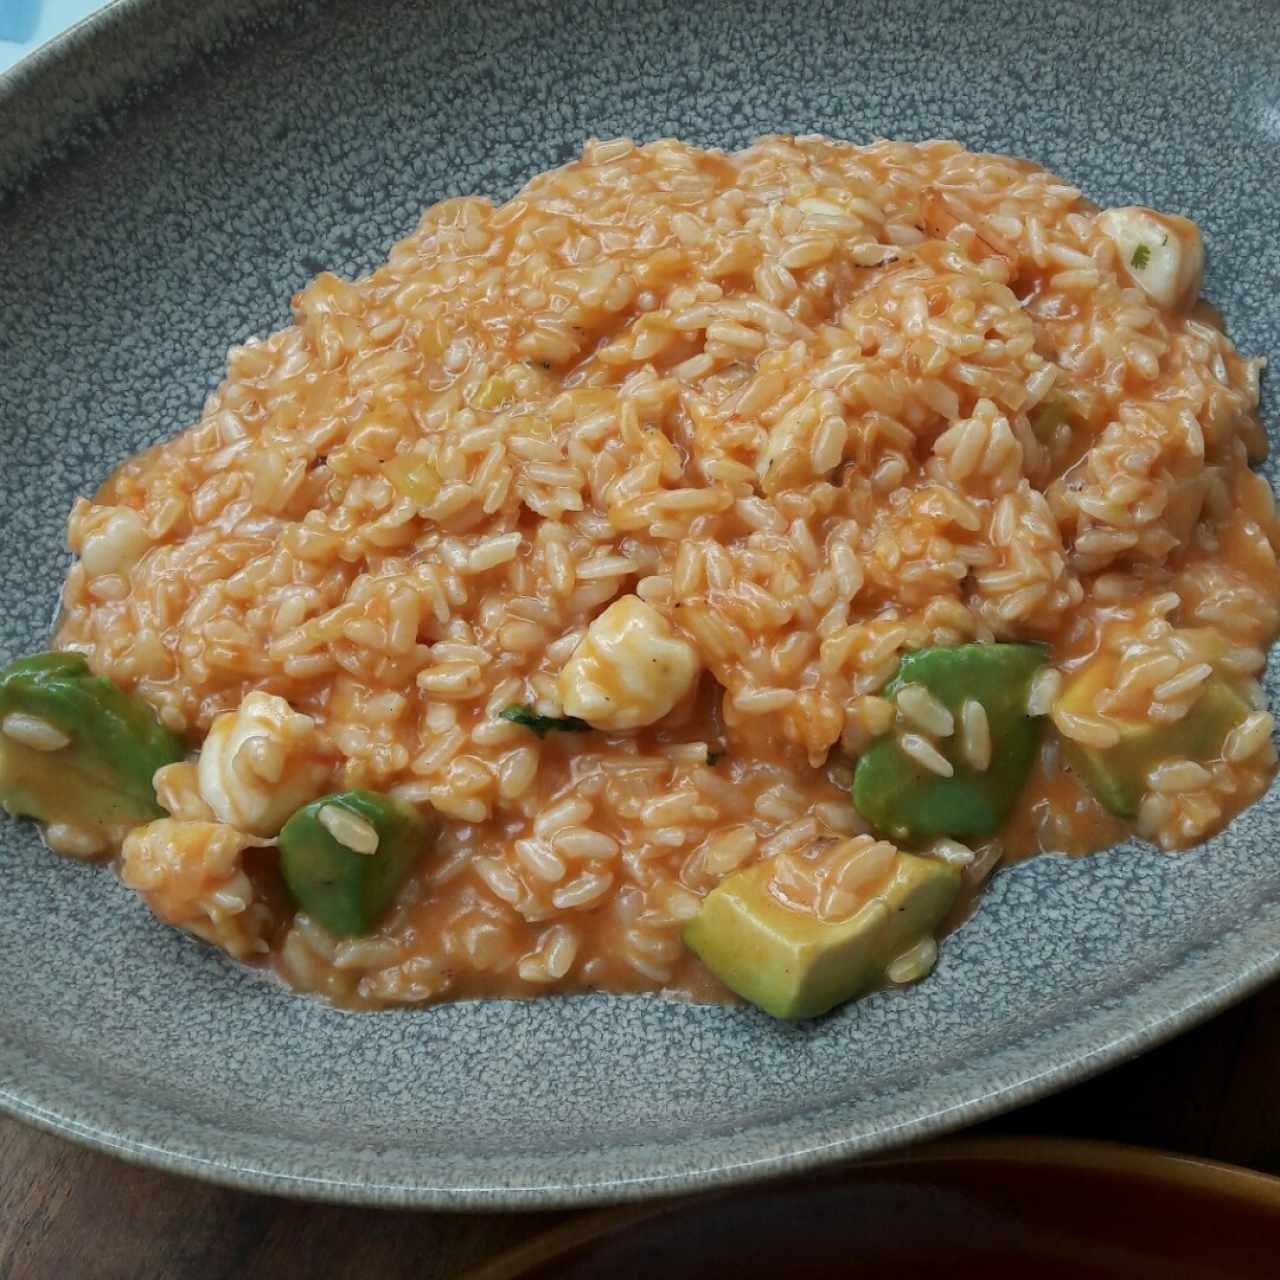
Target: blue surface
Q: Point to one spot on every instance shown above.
(179, 195)
(27, 24)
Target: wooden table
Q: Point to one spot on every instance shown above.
(68, 1213)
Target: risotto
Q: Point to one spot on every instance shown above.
(702, 569)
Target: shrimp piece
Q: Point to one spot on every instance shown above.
(191, 874)
(260, 764)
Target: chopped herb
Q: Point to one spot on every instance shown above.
(714, 757)
(542, 725)
(1141, 256)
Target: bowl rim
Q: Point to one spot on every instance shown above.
(1246, 959)
(584, 1179)
(1162, 1168)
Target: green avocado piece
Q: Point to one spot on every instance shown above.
(793, 965)
(102, 777)
(1117, 776)
(346, 891)
(906, 801)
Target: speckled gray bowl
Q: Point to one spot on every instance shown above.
(174, 173)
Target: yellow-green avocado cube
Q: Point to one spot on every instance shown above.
(793, 965)
(1117, 775)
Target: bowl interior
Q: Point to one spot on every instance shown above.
(312, 141)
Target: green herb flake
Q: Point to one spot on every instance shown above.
(1141, 256)
(542, 725)
(714, 757)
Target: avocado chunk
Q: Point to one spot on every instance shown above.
(792, 964)
(1117, 775)
(346, 873)
(74, 748)
(908, 802)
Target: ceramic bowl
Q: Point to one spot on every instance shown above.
(169, 175)
(999, 1209)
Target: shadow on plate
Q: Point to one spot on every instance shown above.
(1000, 1208)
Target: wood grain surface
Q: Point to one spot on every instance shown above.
(69, 1214)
